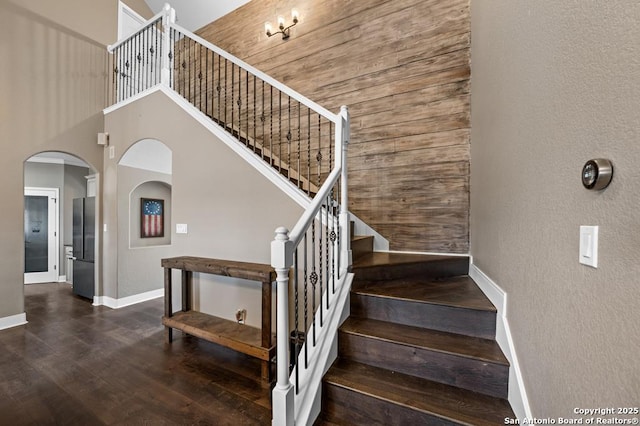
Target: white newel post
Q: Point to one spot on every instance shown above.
(345, 223)
(281, 260)
(169, 17)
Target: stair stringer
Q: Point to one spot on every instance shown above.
(291, 190)
(380, 243)
(517, 392)
(322, 355)
(245, 153)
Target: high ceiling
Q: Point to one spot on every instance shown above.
(194, 14)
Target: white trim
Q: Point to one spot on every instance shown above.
(157, 88)
(62, 278)
(46, 160)
(49, 157)
(247, 154)
(54, 261)
(380, 243)
(322, 356)
(112, 303)
(13, 321)
(123, 9)
(335, 118)
(517, 392)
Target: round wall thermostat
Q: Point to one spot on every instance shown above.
(597, 174)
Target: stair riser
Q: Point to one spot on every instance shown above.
(347, 407)
(469, 322)
(361, 247)
(467, 373)
(425, 270)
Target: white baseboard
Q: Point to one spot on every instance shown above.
(62, 279)
(112, 303)
(13, 321)
(380, 243)
(517, 392)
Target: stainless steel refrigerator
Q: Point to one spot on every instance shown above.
(84, 221)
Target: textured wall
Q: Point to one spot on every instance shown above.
(230, 208)
(138, 258)
(83, 16)
(555, 84)
(53, 85)
(53, 91)
(402, 67)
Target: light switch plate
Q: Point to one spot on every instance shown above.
(589, 246)
(181, 228)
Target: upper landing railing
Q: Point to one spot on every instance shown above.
(290, 132)
(301, 140)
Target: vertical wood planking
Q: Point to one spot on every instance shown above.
(403, 68)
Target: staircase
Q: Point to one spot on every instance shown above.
(300, 147)
(418, 347)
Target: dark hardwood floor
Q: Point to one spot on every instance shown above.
(76, 364)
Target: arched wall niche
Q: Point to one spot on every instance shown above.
(148, 154)
(151, 190)
(143, 171)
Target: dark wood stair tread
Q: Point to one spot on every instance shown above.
(361, 237)
(361, 245)
(383, 258)
(320, 421)
(447, 402)
(438, 341)
(459, 292)
(378, 266)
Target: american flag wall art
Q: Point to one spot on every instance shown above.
(151, 218)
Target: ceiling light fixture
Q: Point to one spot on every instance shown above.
(283, 30)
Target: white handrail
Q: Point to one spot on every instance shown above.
(285, 243)
(283, 248)
(309, 215)
(262, 76)
(169, 12)
(342, 135)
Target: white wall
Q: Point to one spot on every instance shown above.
(194, 14)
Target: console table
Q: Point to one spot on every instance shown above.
(256, 342)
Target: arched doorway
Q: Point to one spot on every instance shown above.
(55, 182)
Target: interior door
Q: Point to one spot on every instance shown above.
(130, 22)
(40, 235)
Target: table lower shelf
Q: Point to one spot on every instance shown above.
(239, 337)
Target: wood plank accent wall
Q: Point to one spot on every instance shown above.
(402, 67)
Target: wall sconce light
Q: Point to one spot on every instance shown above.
(283, 30)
